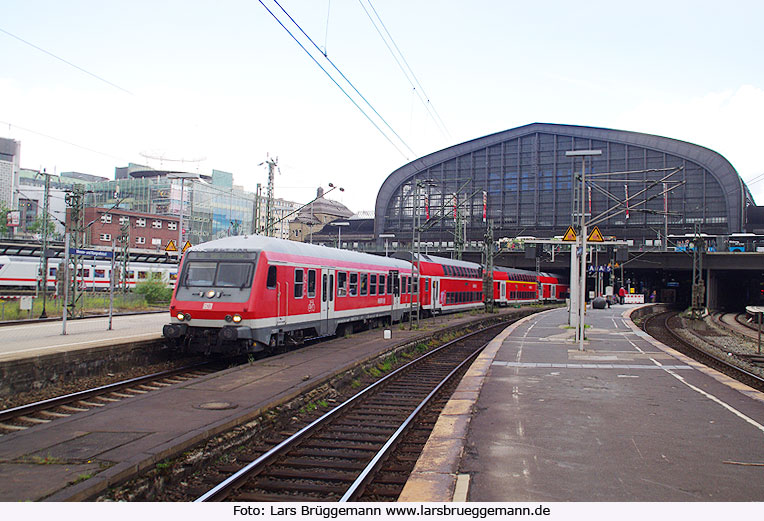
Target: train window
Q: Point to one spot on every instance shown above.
(364, 284)
(389, 285)
(199, 273)
(323, 288)
(51, 271)
(142, 275)
(382, 284)
(331, 288)
(342, 284)
(299, 275)
(416, 284)
(270, 283)
(373, 284)
(427, 284)
(101, 274)
(311, 283)
(353, 286)
(233, 274)
(173, 275)
(404, 285)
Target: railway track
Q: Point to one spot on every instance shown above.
(364, 448)
(26, 416)
(662, 327)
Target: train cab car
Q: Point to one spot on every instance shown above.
(514, 286)
(450, 285)
(252, 293)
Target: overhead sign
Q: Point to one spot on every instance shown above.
(570, 235)
(186, 246)
(171, 246)
(595, 236)
(90, 253)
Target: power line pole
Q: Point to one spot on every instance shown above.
(270, 217)
(488, 273)
(44, 252)
(75, 202)
(698, 286)
(124, 239)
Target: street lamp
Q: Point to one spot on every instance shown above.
(581, 282)
(386, 236)
(339, 238)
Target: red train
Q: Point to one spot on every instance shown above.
(252, 293)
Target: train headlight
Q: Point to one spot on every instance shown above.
(228, 318)
(237, 318)
(180, 316)
(211, 293)
(187, 317)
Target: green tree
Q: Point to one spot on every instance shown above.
(4, 229)
(155, 290)
(38, 224)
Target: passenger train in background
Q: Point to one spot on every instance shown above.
(253, 293)
(23, 273)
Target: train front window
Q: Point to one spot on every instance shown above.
(200, 273)
(232, 274)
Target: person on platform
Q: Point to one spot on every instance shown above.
(622, 294)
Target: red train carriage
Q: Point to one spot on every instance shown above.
(247, 293)
(552, 287)
(512, 286)
(450, 285)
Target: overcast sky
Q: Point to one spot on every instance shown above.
(221, 84)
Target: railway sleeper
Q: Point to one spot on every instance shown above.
(316, 473)
(270, 484)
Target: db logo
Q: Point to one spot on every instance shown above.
(207, 305)
(311, 306)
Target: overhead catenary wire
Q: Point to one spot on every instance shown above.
(408, 72)
(11, 125)
(333, 80)
(65, 61)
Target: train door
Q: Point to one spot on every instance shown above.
(327, 300)
(435, 295)
(502, 291)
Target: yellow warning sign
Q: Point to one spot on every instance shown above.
(171, 246)
(570, 235)
(595, 236)
(186, 246)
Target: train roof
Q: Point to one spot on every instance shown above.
(443, 261)
(514, 270)
(254, 243)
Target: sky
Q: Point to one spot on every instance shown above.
(221, 85)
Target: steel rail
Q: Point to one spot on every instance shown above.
(57, 401)
(732, 368)
(223, 489)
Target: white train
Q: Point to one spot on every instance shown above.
(23, 273)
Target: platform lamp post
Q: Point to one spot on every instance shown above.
(339, 231)
(581, 283)
(386, 236)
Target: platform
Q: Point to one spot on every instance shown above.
(73, 458)
(38, 339)
(627, 419)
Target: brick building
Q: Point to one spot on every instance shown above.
(147, 231)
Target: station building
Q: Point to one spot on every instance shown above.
(523, 180)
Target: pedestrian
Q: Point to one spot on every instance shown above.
(622, 294)
(652, 297)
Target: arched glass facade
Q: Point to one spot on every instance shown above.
(532, 188)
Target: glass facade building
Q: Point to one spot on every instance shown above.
(523, 180)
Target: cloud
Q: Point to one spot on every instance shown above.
(728, 122)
